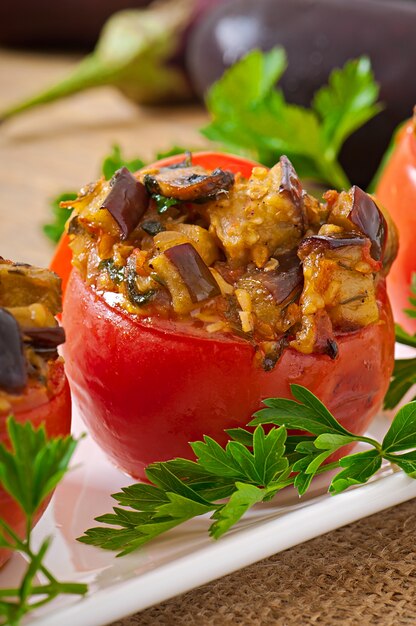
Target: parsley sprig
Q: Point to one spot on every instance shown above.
(29, 472)
(253, 467)
(404, 373)
(250, 116)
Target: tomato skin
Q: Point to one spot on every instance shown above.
(52, 408)
(396, 190)
(147, 388)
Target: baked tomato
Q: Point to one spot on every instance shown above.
(33, 385)
(396, 190)
(189, 306)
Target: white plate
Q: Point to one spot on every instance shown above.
(185, 557)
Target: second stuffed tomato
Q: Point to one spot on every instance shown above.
(206, 283)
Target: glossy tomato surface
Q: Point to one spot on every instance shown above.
(397, 192)
(147, 387)
(38, 405)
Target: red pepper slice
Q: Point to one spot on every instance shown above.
(396, 190)
(146, 388)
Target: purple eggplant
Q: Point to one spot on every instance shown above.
(127, 201)
(194, 272)
(13, 374)
(319, 35)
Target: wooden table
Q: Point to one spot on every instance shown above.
(361, 574)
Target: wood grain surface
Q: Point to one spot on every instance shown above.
(358, 575)
(59, 147)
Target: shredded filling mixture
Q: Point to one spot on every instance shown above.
(258, 258)
(30, 298)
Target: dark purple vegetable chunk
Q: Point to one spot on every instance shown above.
(194, 272)
(285, 280)
(44, 338)
(127, 201)
(13, 374)
(324, 242)
(366, 215)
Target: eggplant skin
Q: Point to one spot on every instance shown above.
(58, 23)
(319, 35)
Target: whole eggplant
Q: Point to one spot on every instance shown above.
(319, 35)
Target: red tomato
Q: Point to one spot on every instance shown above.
(397, 192)
(38, 404)
(147, 388)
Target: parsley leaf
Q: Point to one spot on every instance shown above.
(54, 229)
(250, 116)
(347, 102)
(307, 413)
(358, 468)
(251, 468)
(115, 160)
(402, 432)
(29, 472)
(243, 498)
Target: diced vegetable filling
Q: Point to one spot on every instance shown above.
(29, 333)
(258, 258)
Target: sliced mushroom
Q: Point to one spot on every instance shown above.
(189, 184)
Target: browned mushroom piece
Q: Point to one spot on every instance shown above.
(189, 184)
(22, 285)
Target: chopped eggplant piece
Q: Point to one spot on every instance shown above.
(194, 272)
(23, 285)
(368, 218)
(127, 201)
(47, 338)
(285, 280)
(317, 243)
(189, 184)
(152, 227)
(13, 372)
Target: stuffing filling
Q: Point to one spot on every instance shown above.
(258, 258)
(29, 333)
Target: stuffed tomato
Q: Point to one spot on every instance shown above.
(33, 385)
(396, 189)
(206, 283)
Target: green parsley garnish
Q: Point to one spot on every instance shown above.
(29, 472)
(163, 203)
(250, 116)
(251, 468)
